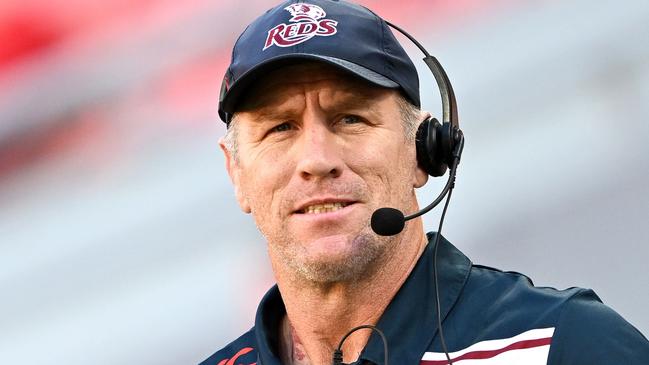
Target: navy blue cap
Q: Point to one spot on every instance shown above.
(342, 34)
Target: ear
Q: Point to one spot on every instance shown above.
(421, 177)
(234, 171)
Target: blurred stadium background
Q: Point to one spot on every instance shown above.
(120, 239)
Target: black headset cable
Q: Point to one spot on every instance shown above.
(338, 353)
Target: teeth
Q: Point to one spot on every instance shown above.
(323, 208)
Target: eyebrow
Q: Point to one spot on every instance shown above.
(357, 101)
(269, 114)
(357, 96)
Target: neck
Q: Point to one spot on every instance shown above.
(319, 315)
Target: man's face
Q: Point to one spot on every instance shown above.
(318, 153)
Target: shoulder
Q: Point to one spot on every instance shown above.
(240, 351)
(583, 330)
(590, 332)
(496, 295)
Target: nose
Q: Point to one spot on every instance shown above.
(320, 154)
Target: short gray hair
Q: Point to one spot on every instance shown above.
(410, 115)
(231, 136)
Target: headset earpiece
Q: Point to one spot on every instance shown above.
(438, 145)
(434, 146)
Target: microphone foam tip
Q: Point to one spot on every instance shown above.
(387, 221)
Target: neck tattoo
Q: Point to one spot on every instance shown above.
(291, 350)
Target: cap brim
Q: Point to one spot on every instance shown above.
(231, 98)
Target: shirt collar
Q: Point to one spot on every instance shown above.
(268, 320)
(410, 320)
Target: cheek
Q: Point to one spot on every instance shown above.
(262, 183)
(388, 168)
(373, 166)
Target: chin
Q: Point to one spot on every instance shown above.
(337, 258)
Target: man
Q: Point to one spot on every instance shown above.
(322, 106)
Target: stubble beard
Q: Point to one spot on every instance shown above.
(367, 251)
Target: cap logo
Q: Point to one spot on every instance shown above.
(306, 22)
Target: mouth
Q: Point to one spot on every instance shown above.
(323, 208)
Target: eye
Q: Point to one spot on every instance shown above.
(286, 126)
(351, 119)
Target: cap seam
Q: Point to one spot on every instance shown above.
(381, 31)
(237, 42)
(388, 65)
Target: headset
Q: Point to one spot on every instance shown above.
(439, 147)
(436, 142)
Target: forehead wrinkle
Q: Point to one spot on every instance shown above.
(355, 98)
(269, 97)
(285, 110)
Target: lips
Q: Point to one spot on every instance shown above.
(322, 207)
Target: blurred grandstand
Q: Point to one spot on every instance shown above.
(120, 239)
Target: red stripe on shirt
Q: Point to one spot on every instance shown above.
(486, 354)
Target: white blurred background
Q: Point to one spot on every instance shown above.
(120, 239)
